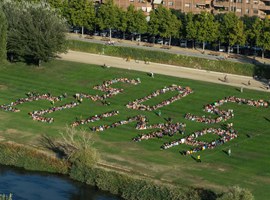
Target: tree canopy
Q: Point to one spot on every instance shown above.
(81, 13)
(3, 35)
(36, 32)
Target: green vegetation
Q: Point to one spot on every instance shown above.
(30, 158)
(5, 197)
(173, 59)
(31, 35)
(247, 167)
(3, 36)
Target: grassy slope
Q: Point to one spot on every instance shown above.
(248, 166)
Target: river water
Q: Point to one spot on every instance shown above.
(25, 185)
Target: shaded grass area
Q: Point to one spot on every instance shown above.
(225, 66)
(247, 167)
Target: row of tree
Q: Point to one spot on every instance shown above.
(204, 27)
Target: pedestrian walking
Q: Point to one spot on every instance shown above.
(241, 89)
(159, 113)
(249, 83)
(199, 158)
(225, 78)
(229, 151)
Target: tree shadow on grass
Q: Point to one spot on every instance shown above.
(206, 194)
(49, 144)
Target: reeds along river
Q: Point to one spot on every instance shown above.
(26, 185)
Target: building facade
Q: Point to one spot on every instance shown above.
(260, 8)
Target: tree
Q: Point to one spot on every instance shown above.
(191, 30)
(81, 13)
(35, 31)
(153, 24)
(3, 36)
(108, 16)
(164, 23)
(136, 21)
(232, 30)
(207, 28)
(261, 30)
(122, 25)
(248, 29)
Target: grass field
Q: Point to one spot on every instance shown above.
(247, 167)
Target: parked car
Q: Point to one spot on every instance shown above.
(159, 41)
(222, 49)
(183, 43)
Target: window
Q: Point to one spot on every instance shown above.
(247, 11)
(239, 10)
(170, 3)
(247, 1)
(187, 5)
(255, 11)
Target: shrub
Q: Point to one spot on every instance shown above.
(173, 59)
(237, 193)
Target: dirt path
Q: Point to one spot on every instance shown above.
(170, 70)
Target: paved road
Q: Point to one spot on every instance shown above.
(171, 70)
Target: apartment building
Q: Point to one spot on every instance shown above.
(260, 8)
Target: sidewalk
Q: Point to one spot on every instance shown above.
(170, 70)
(212, 55)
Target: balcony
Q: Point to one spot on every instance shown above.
(221, 4)
(263, 7)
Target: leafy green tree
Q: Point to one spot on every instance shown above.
(238, 36)
(261, 31)
(248, 29)
(136, 21)
(35, 31)
(232, 30)
(153, 24)
(164, 23)
(108, 16)
(174, 27)
(122, 25)
(81, 13)
(191, 29)
(3, 36)
(207, 28)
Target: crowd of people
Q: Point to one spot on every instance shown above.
(105, 87)
(142, 124)
(138, 118)
(31, 96)
(94, 118)
(168, 129)
(224, 115)
(137, 104)
(38, 115)
(225, 135)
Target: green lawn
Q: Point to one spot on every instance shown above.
(247, 167)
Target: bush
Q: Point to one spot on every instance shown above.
(169, 58)
(30, 159)
(237, 193)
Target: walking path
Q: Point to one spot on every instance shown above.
(170, 70)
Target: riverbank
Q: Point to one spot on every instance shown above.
(118, 183)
